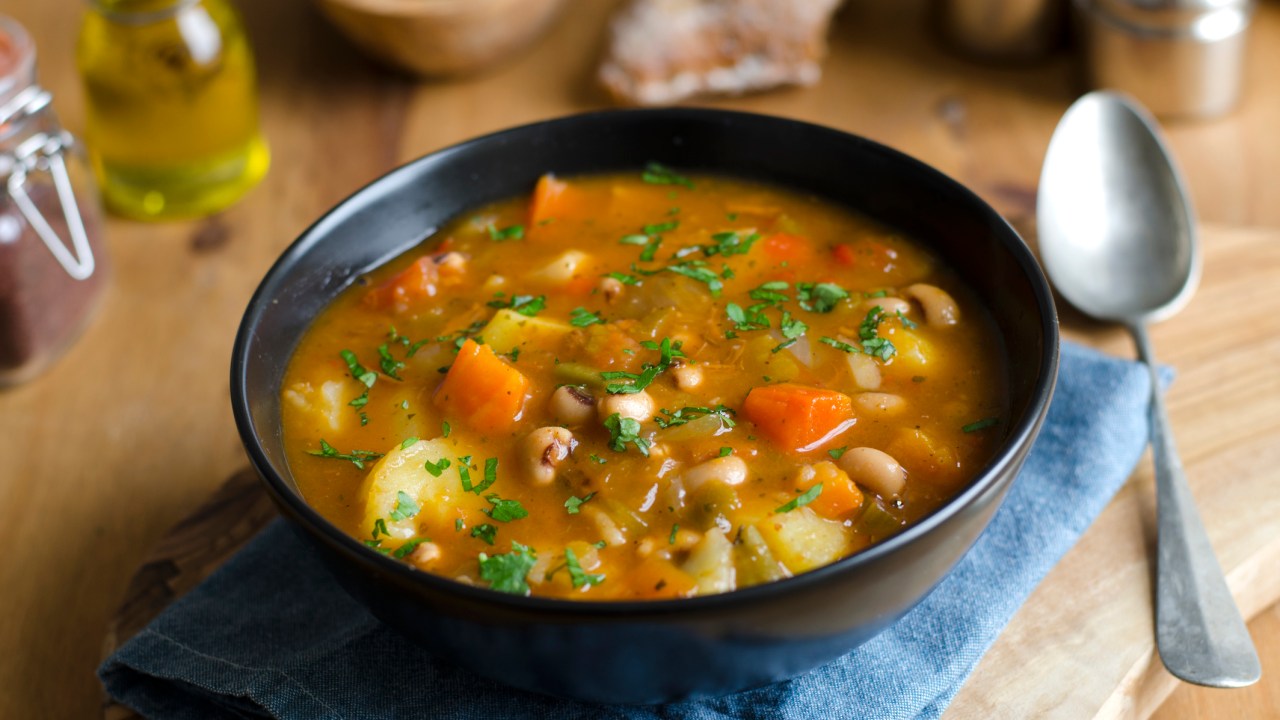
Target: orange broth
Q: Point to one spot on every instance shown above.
(725, 362)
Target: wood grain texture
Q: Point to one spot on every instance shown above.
(132, 430)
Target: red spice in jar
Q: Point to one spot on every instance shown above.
(43, 304)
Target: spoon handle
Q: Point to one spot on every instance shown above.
(1199, 632)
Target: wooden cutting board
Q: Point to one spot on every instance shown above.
(1082, 645)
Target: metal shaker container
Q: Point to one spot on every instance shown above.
(1180, 58)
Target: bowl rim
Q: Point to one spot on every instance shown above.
(1020, 435)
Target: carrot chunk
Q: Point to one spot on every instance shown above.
(417, 282)
(552, 198)
(839, 496)
(798, 418)
(784, 247)
(482, 390)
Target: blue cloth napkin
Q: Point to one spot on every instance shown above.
(271, 635)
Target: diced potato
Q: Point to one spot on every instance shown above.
(802, 541)
(711, 564)
(509, 329)
(563, 269)
(913, 355)
(925, 458)
(325, 407)
(439, 499)
(756, 562)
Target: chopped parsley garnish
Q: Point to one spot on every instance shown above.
(404, 445)
(356, 457)
(659, 228)
(360, 401)
(574, 504)
(389, 365)
(358, 371)
(671, 539)
(490, 475)
(634, 239)
(577, 575)
(872, 344)
(697, 270)
(980, 425)
(907, 322)
(507, 572)
(597, 459)
(457, 525)
(783, 345)
(512, 232)
(379, 526)
(464, 473)
(651, 249)
(820, 297)
(527, 305)
(581, 317)
(726, 451)
(634, 382)
(748, 319)
(835, 453)
(625, 430)
(485, 532)
(769, 293)
(838, 345)
(730, 243)
(800, 501)
(504, 510)
(657, 174)
(406, 507)
(791, 328)
(437, 467)
(685, 414)
(445, 428)
(409, 546)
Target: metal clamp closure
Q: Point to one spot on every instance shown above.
(43, 152)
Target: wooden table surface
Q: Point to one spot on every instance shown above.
(133, 427)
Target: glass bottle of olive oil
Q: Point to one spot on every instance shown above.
(171, 104)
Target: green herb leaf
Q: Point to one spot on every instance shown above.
(696, 270)
(527, 305)
(730, 243)
(437, 467)
(980, 425)
(358, 371)
(838, 345)
(682, 416)
(505, 510)
(490, 475)
(406, 507)
(625, 430)
(581, 317)
(671, 539)
(389, 365)
(513, 232)
(379, 527)
(820, 297)
(624, 278)
(791, 328)
(408, 547)
(835, 453)
(635, 239)
(444, 428)
(404, 445)
(485, 532)
(657, 174)
(577, 575)
(804, 499)
(597, 460)
(507, 572)
(573, 504)
(356, 457)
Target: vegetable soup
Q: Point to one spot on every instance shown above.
(644, 385)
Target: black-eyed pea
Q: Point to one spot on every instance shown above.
(729, 470)
(877, 403)
(572, 405)
(890, 305)
(544, 450)
(425, 554)
(874, 469)
(637, 406)
(688, 377)
(610, 288)
(939, 307)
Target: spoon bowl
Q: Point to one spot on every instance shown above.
(1117, 237)
(1116, 233)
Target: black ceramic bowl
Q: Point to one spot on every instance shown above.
(654, 651)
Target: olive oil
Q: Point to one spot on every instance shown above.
(172, 113)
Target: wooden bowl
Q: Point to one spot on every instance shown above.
(437, 38)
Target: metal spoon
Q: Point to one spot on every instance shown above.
(1117, 238)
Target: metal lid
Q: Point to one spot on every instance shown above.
(1207, 19)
